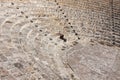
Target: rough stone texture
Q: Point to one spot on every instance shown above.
(59, 39)
(93, 62)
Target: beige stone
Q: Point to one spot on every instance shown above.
(59, 39)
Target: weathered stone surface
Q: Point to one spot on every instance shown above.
(59, 39)
(93, 62)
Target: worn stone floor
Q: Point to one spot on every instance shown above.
(59, 40)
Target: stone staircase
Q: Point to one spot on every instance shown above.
(36, 34)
